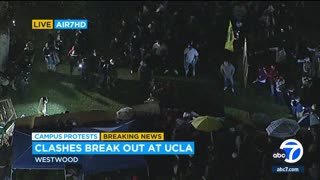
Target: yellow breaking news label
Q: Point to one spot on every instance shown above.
(42, 24)
(133, 136)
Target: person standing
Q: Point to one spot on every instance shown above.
(191, 56)
(280, 84)
(131, 57)
(112, 74)
(102, 71)
(272, 73)
(144, 74)
(74, 55)
(92, 67)
(42, 108)
(156, 52)
(261, 80)
(227, 70)
(48, 56)
(297, 108)
(29, 52)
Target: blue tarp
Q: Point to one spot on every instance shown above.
(22, 154)
(124, 127)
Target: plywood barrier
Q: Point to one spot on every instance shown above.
(84, 118)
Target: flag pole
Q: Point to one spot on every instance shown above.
(245, 63)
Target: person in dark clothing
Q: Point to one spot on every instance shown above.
(80, 40)
(145, 75)
(48, 56)
(112, 75)
(132, 58)
(261, 80)
(29, 52)
(134, 51)
(115, 49)
(92, 67)
(51, 41)
(74, 57)
(83, 68)
(102, 71)
(172, 57)
(22, 83)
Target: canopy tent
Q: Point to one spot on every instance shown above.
(22, 153)
(91, 164)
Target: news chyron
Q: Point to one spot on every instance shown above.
(69, 147)
(59, 24)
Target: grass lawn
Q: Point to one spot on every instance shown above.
(248, 100)
(64, 93)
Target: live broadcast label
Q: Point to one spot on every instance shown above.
(59, 24)
(70, 24)
(136, 136)
(113, 148)
(42, 24)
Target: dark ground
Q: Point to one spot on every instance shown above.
(70, 94)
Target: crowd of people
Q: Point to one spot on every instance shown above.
(234, 152)
(163, 38)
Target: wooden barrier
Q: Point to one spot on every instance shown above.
(86, 119)
(82, 118)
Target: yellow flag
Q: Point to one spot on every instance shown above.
(230, 38)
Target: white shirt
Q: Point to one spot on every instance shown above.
(279, 83)
(157, 49)
(42, 109)
(191, 55)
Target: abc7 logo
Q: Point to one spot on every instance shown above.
(293, 150)
(279, 155)
(290, 151)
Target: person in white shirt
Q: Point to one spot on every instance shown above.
(156, 48)
(190, 58)
(42, 108)
(156, 60)
(280, 84)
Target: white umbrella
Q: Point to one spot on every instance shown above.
(309, 120)
(283, 128)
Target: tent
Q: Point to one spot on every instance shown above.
(22, 154)
(91, 164)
